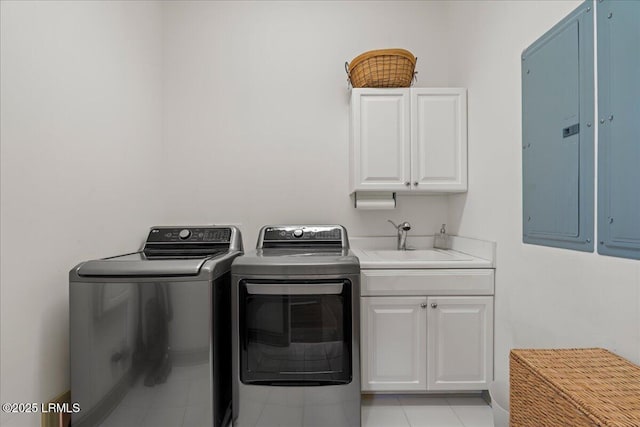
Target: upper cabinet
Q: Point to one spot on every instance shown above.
(409, 140)
(380, 136)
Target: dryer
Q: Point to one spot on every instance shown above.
(296, 329)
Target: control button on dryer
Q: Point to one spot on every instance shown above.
(184, 234)
(297, 233)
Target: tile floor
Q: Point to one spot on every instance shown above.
(425, 411)
(158, 406)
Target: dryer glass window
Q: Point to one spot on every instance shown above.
(295, 333)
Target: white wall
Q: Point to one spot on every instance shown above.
(119, 115)
(257, 109)
(81, 97)
(544, 297)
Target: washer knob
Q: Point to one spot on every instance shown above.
(184, 234)
(298, 233)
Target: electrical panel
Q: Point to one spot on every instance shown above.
(619, 128)
(558, 135)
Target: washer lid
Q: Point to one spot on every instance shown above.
(135, 265)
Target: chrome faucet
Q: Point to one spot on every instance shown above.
(402, 234)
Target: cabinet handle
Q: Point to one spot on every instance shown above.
(415, 184)
(434, 305)
(407, 183)
(423, 305)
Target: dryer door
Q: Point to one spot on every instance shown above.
(295, 333)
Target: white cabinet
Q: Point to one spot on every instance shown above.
(409, 140)
(381, 133)
(439, 140)
(393, 343)
(460, 343)
(426, 342)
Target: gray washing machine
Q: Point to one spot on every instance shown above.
(150, 331)
(296, 329)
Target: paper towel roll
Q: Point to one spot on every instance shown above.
(375, 201)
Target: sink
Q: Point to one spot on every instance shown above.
(417, 255)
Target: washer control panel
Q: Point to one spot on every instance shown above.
(189, 235)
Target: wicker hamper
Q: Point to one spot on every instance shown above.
(573, 387)
(382, 68)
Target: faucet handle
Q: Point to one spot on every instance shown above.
(405, 226)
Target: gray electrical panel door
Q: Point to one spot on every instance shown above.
(619, 131)
(557, 135)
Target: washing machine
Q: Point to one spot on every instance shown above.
(296, 329)
(150, 333)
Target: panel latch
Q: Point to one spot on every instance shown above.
(571, 130)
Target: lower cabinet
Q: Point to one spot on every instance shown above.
(424, 343)
(393, 343)
(459, 343)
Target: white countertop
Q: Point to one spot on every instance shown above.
(381, 253)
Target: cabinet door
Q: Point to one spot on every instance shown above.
(439, 139)
(393, 343)
(380, 139)
(460, 343)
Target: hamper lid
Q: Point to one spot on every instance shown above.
(605, 386)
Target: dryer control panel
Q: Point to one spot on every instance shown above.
(311, 235)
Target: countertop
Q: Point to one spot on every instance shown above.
(381, 253)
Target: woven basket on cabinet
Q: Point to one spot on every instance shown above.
(382, 68)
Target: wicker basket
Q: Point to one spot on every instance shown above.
(382, 68)
(573, 388)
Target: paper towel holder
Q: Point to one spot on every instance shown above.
(374, 200)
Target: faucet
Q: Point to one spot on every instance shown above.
(402, 234)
